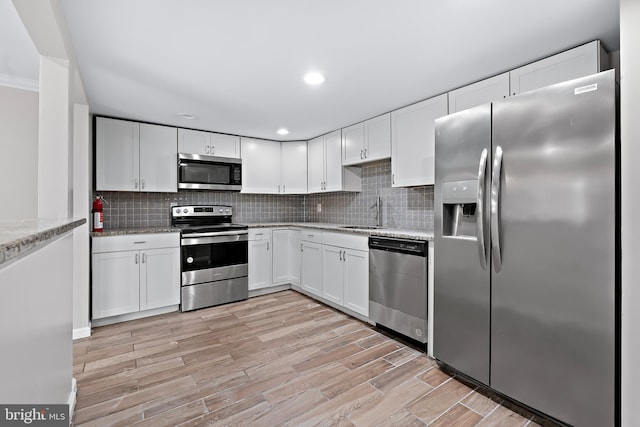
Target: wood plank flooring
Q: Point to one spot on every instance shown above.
(278, 359)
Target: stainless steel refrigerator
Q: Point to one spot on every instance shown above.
(525, 248)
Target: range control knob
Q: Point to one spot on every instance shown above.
(177, 211)
(221, 210)
(227, 210)
(185, 210)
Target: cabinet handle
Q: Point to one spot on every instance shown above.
(143, 183)
(144, 257)
(344, 256)
(278, 188)
(135, 183)
(267, 245)
(283, 190)
(140, 242)
(366, 154)
(301, 249)
(137, 258)
(340, 255)
(393, 178)
(310, 235)
(361, 153)
(213, 149)
(206, 149)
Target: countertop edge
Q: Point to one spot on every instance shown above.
(380, 232)
(24, 245)
(134, 230)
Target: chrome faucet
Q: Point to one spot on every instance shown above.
(378, 206)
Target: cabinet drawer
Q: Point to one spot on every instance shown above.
(135, 242)
(311, 236)
(346, 240)
(259, 234)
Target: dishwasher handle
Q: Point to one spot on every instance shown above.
(405, 246)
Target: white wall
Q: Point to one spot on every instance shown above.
(19, 153)
(630, 141)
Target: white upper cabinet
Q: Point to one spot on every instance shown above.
(260, 166)
(482, 92)
(272, 167)
(293, 167)
(208, 143)
(581, 61)
(367, 141)
(325, 169)
(413, 142)
(133, 156)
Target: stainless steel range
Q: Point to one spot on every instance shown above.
(214, 256)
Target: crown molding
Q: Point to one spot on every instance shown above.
(19, 82)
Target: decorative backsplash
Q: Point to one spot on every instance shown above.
(409, 208)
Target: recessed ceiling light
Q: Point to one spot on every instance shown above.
(313, 78)
(187, 116)
(282, 131)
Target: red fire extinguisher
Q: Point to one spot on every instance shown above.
(98, 218)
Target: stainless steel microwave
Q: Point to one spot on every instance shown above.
(200, 172)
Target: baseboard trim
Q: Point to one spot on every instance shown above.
(81, 333)
(269, 290)
(133, 316)
(72, 399)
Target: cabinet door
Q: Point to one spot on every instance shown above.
(356, 281)
(571, 64)
(377, 136)
(296, 252)
(413, 142)
(482, 92)
(333, 161)
(315, 165)
(332, 274)
(193, 141)
(117, 155)
(282, 260)
(259, 264)
(115, 286)
(311, 270)
(260, 166)
(225, 145)
(353, 144)
(158, 158)
(294, 167)
(159, 278)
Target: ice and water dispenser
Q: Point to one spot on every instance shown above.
(459, 209)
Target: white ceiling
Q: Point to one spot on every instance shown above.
(238, 65)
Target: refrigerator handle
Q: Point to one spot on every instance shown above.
(482, 167)
(495, 209)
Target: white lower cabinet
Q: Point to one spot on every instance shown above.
(134, 273)
(286, 256)
(356, 279)
(332, 274)
(311, 262)
(260, 258)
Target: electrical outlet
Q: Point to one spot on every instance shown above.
(319, 208)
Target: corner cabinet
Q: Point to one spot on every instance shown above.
(413, 142)
(133, 156)
(325, 170)
(272, 167)
(208, 143)
(367, 141)
(134, 273)
(286, 256)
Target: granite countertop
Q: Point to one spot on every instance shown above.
(17, 238)
(382, 231)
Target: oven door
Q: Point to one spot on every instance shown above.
(199, 172)
(213, 258)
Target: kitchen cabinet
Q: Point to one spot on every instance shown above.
(367, 141)
(208, 143)
(286, 256)
(413, 142)
(325, 170)
(135, 273)
(260, 258)
(133, 156)
(580, 61)
(345, 271)
(482, 92)
(311, 262)
(272, 167)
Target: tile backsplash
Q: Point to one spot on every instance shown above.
(410, 208)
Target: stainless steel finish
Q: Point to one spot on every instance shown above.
(495, 209)
(214, 274)
(221, 237)
(461, 287)
(190, 211)
(398, 287)
(545, 313)
(378, 207)
(144, 258)
(204, 158)
(188, 186)
(482, 168)
(214, 293)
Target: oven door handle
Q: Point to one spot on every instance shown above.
(204, 239)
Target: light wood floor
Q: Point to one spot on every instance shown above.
(279, 359)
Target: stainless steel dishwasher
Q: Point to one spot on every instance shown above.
(398, 285)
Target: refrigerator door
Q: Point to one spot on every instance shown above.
(553, 298)
(461, 241)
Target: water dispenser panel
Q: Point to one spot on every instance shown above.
(459, 205)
